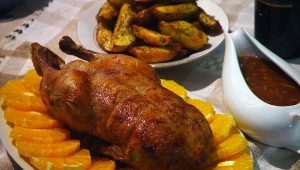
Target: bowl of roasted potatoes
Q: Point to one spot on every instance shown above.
(162, 33)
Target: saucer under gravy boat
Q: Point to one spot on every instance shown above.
(273, 125)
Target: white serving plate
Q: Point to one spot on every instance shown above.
(87, 24)
(5, 130)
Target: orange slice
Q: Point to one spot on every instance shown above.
(221, 126)
(244, 162)
(32, 81)
(30, 119)
(25, 102)
(62, 149)
(13, 87)
(15, 94)
(174, 87)
(233, 145)
(103, 164)
(36, 104)
(39, 135)
(204, 107)
(79, 160)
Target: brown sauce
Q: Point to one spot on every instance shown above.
(268, 82)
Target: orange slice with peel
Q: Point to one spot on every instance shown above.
(61, 149)
(233, 145)
(13, 87)
(31, 81)
(15, 94)
(103, 164)
(204, 107)
(244, 162)
(30, 119)
(25, 102)
(80, 160)
(221, 126)
(54, 135)
(174, 87)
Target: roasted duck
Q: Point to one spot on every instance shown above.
(120, 100)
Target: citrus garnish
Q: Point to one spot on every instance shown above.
(61, 149)
(103, 164)
(30, 119)
(221, 126)
(13, 87)
(20, 94)
(244, 162)
(233, 145)
(204, 107)
(32, 81)
(174, 87)
(80, 160)
(25, 102)
(39, 135)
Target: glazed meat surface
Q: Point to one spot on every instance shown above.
(120, 100)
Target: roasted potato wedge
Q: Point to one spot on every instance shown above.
(106, 13)
(104, 37)
(155, 54)
(198, 25)
(184, 32)
(175, 12)
(176, 1)
(209, 21)
(118, 3)
(123, 37)
(150, 37)
(143, 1)
(143, 17)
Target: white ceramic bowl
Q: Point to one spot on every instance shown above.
(277, 126)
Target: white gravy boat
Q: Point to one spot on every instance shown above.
(277, 126)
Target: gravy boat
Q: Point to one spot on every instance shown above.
(277, 126)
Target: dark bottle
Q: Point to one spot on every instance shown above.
(277, 26)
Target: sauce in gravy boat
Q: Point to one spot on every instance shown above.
(275, 125)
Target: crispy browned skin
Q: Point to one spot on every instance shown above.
(120, 100)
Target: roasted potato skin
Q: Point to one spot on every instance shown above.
(118, 3)
(155, 54)
(150, 37)
(106, 13)
(104, 37)
(184, 32)
(123, 37)
(209, 21)
(143, 17)
(175, 12)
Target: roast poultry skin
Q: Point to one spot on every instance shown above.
(120, 100)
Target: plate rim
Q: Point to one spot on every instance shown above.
(85, 27)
